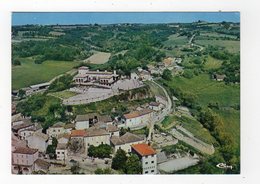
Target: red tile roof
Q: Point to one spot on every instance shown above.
(143, 149)
(78, 133)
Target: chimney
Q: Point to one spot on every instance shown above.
(115, 72)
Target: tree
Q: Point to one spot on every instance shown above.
(103, 171)
(119, 161)
(21, 93)
(16, 62)
(101, 151)
(167, 74)
(51, 149)
(133, 165)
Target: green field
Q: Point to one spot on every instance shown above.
(230, 45)
(176, 40)
(215, 34)
(63, 94)
(208, 91)
(231, 119)
(29, 73)
(212, 63)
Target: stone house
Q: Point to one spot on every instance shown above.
(138, 118)
(23, 160)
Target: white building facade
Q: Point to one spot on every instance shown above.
(147, 157)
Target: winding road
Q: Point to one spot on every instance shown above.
(165, 112)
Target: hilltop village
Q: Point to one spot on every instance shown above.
(126, 99)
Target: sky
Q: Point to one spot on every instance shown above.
(49, 18)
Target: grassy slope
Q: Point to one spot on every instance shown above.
(208, 90)
(231, 45)
(44, 110)
(212, 63)
(176, 40)
(30, 73)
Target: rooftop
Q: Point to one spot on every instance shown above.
(112, 128)
(135, 114)
(143, 149)
(78, 133)
(105, 119)
(21, 126)
(40, 85)
(58, 125)
(41, 135)
(85, 117)
(126, 138)
(92, 132)
(25, 150)
(83, 68)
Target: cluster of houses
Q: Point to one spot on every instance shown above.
(29, 143)
(157, 69)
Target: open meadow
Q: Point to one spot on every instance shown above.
(99, 58)
(29, 73)
(208, 91)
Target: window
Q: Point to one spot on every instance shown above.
(152, 171)
(58, 152)
(152, 162)
(146, 172)
(146, 162)
(146, 156)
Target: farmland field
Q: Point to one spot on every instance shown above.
(231, 45)
(212, 63)
(99, 58)
(208, 90)
(215, 34)
(29, 73)
(176, 40)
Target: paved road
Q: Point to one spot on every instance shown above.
(162, 114)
